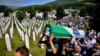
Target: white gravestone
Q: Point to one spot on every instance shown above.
(36, 31)
(8, 43)
(26, 30)
(33, 36)
(11, 30)
(0, 34)
(22, 33)
(26, 41)
(29, 31)
(3, 30)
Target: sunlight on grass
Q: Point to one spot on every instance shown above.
(16, 42)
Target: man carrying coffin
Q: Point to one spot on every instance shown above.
(51, 45)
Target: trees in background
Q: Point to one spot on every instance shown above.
(32, 9)
(5, 9)
(93, 9)
(60, 12)
(90, 7)
(44, 8)
(83, 11)
(20, 15)
(95, 22)
(45, 15)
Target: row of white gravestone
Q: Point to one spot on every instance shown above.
(23, 35)
(9, 36)
(18, 29)
(25, 38)
(5, 23)
(36, 30)
(24, 24)
(2, 24)
(21, 32)
(19, 24)
(28, 31)
(6, 27)
(39, 27)
(8, 23)
(8, 41)
(28, 23)
(6, 19)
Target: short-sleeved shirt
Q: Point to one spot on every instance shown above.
(91, 42)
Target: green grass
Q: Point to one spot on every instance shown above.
(16, 42)
(2, 47)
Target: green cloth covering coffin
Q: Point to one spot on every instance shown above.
(56, 31)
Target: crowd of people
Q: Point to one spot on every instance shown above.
(78, 21)
(87, 46)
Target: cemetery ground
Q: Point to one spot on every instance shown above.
(17, 42)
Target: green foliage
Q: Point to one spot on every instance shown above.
(59, 2)
(93, 9)
(45, 15)
(87, 9)
(60, 12)
(93, 1)
(95, 22)
(31, 10)
(74, 14)
(5, 9)
(20, 15)
(83, 11)
(45, 8)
